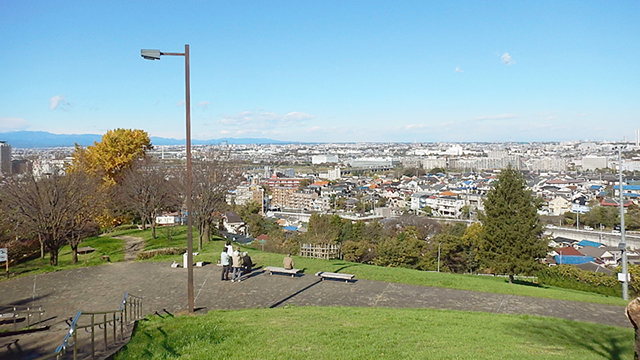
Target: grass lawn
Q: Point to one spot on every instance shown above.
(104, 245)
(499, 285)
(210, 253)
(373, 333)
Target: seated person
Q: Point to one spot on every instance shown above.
(288, 262)
(246, 263)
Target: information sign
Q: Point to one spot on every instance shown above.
(3, 254)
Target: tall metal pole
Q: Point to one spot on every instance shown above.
(438, 257)
(190, 291)
(623, 246)
(155, 55)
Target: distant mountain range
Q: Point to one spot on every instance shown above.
(42, 139)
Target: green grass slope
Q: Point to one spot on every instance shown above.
(373, 333)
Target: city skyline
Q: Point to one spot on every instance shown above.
(344, 72)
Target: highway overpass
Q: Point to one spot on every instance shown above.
(606, 238)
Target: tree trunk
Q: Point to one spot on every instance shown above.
(41, 246)
(511, 279)
(153, 231)
(74, 252)
(200, 235)
(53, 257)
(633, 314)
(207, 232)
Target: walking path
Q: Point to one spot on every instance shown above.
(101, 288)
(132, 246)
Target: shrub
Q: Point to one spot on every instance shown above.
(571, 277)
(164, 251)
(358, 251)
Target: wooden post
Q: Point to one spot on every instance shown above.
(633, 314)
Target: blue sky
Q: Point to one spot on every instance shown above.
(325, 70)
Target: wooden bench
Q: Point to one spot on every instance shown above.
(339, 276)
(273, 269)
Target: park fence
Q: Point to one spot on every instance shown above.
(321, 251)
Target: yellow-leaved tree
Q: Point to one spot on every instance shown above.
(108, 160)
(113, 155)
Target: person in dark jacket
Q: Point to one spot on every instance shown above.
(246, 263)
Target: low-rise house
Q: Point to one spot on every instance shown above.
(608, 256)
(233, 222)
(559, 206)
(446, 204)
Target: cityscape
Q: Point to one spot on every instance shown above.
(319, 180)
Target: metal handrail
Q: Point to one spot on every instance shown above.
(131, 308)
(17, 310)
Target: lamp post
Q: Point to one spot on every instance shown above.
(155, 55)
(623, 245)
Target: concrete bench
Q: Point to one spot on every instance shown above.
(339, 276)
(273, 269)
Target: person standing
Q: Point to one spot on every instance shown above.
(229, 248)
(236, 265)
(288, 262)
(226, 264)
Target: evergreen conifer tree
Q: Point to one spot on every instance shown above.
(511, 241)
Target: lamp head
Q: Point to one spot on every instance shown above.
(150, 54)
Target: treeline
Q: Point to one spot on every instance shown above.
(111, 183)
(408, 241)
(607, 216)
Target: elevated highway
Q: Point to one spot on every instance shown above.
(606, 238)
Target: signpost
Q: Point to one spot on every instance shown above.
(4, 256)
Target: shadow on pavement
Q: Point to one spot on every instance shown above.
(278, 303)
(23, 302)
(610, 343)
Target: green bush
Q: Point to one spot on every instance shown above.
(571, 277)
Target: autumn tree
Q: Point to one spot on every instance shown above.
(54, 208)
(116, 153)
(511, 241)
(145, 190)
(212, 179)
(324, 229)
(405, 250)
(458, 247)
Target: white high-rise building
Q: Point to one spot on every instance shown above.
(5, 158)
(322, 159)
(594, 162)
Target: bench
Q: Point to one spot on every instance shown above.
(273, 269)
(329, 275)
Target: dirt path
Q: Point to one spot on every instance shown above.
(132, 247)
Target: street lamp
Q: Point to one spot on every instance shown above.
(155, 55)
(622, 245)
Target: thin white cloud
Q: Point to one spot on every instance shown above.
(58, 102)
(506, 59)
(180, 103)
(12, 124)
(204, 104)
(496, 117)
(458, 70)
(265, 119)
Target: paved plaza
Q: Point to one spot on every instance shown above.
(101, 288)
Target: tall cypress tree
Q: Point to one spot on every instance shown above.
(511, 241)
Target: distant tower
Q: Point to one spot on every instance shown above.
(5, 158)
(637, 137)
